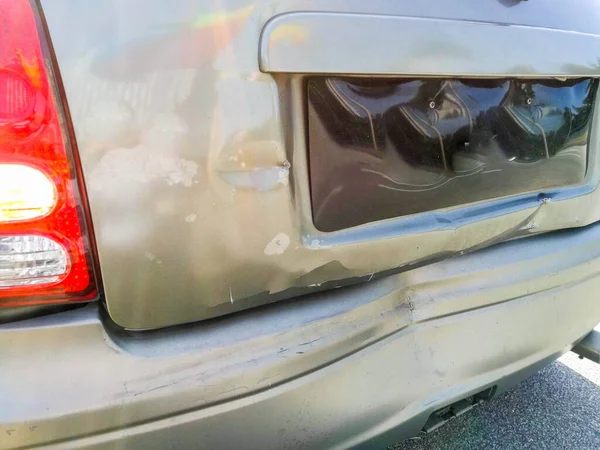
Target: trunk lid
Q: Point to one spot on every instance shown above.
(196, 162)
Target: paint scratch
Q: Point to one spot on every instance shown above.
(278, 245)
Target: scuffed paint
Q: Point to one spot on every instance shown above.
(263, 179)
(283, 173)
(126, 165)
(278, 245)
(259, 165)
(152, 157)
(152, 257)
(316, 244)
(167, 129)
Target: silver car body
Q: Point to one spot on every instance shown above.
(189, 121)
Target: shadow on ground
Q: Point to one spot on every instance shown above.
(557, 408)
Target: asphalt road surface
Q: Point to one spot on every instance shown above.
(557, 408)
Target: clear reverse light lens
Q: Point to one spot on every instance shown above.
(25, 193)
(31, 260)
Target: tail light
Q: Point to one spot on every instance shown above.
(45, 249)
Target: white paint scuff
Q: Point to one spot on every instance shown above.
(317, 244)
(278, 245)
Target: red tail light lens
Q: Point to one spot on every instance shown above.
(45, 248)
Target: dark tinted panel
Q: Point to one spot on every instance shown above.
(382, 148)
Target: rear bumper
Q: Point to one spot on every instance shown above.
(362, 365)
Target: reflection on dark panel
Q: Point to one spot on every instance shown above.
(382, 148)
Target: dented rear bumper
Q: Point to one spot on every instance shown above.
(365, 365)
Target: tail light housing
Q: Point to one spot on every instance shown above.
(45, 243)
